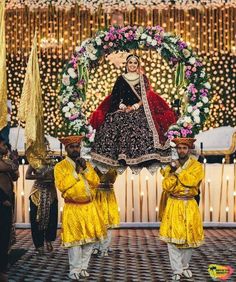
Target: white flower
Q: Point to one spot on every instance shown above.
(69, 88)
(137, 35)
(199, 104)
(72, 73)
(70, 105)
(202, 74)
(206, 110)
(67, 114)
(186, 53)
(154, 42)
(90, 48)
(64, 100)
(66, 79)
(98, 41)
(187, 119)
(65, 109)
(174, 39)
(149, 39)
(196, 113)
(92, 57)
(207, 85)
(197, 119)
(192, 60)
(78, 48)
(144, 36)
(190, 109)
(85, 42)
(205, 99)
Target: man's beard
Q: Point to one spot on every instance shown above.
(182, 157)
(74, 155)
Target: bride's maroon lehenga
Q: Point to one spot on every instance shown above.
(137, 137)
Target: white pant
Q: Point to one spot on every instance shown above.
(103, 245)
(79, 257)
(179, 258)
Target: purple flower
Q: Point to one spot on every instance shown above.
(173, 61)
(181, 45)
(188, 73)
(198, 63)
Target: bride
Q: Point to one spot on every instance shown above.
(131, 122)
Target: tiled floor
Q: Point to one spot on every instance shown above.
(138, 255)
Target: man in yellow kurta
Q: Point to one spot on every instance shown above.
(106, 201)
(82, 224)
(181, 225)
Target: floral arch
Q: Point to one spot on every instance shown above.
(189, 69)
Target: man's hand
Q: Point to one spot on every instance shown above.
(14, 155)
(174, 166)
(80, 164)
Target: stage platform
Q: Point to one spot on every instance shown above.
(137, 255)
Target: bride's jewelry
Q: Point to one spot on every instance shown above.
(122, 106)
(131, 79)
(136, 106)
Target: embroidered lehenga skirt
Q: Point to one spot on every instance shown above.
(127, 137)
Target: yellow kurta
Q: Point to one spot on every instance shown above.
(106, 199)
(81, 221)
(181, 222)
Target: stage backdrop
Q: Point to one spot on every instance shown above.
(210, 31)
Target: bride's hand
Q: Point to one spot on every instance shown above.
(129, 109)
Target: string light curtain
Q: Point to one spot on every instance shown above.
(209, 30)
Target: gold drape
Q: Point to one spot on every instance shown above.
(3, 74)
(30, 111)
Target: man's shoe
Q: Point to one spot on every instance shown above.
(40, 251)
(84, 273)
(95, 252)
(105, 254)
(74, 277)
(187, 273)
(176, 277)
(49, 246)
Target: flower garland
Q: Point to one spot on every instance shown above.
(171, 48)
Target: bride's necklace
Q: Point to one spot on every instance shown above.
(130, 77)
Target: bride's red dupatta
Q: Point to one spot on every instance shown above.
(97, 118)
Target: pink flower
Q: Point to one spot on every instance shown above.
(110, 44)
(105, 47)
(73, 117)
(106, 38)
(194, 69)
(192, 89)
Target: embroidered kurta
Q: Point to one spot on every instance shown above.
(106, 198)
(81, 221)
(181, 221)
